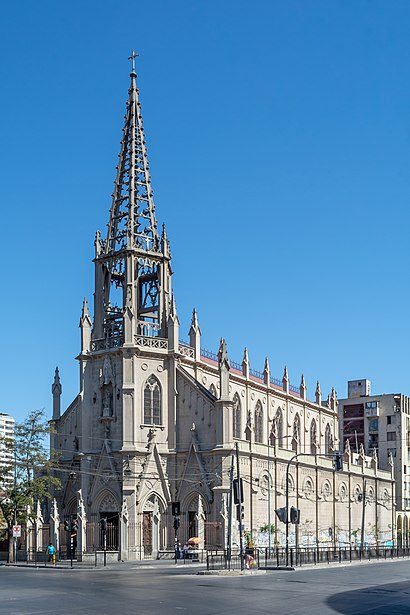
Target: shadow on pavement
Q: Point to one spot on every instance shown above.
(389, 599)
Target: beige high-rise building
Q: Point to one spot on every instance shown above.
(381, 424)
(158, 420)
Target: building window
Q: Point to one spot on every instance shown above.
(258, 425)
(391, 451)
(389, 419)
(278, 426)
(328, 440)
(236, 417)
(152, 402)
(296, 434)
(391, 435)
(313, 437)
(373, 425)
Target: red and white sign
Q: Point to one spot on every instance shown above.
(16, 531)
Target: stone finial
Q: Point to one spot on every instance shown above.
(347, 448)
(97, 243)
(266, 372)
(223, 355)
(56, 390)
(285, 380)
(56, 387)
(302, 387)
(173, 308)
(318, 394)
(165, 242)
(195, 335)
(173, 326)
(333, 399)
(84, 311)
(85, 326)
(245, 364)
(194, 323)
(224, 368)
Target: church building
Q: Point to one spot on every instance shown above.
(159, 421)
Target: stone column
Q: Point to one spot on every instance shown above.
(30, 542)
(82, 527)
(201, 521)
(156, 523)
(39, 522)
(55, 526)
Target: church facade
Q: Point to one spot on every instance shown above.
(159, 421)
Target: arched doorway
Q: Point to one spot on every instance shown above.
(152, 531)
(108, 509)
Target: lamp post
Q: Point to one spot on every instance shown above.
(287, 505)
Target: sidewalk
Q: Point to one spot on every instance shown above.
(188, 565)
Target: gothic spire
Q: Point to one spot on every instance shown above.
(132, 222)
(133, 265)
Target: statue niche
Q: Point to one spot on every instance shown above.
(107, 383)
(107, 400)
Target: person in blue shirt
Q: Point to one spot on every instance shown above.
(51, 553)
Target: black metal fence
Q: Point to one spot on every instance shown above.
(278, 558)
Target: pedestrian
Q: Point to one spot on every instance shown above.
(51, 553)
(249, 555)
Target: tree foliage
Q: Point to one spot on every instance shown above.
(27, 478)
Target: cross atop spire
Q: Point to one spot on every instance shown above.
(132, 58)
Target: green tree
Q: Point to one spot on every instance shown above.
(27, 478)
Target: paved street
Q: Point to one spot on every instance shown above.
(373, 589)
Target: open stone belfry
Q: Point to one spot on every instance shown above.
(156, 419)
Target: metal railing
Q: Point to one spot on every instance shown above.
(276, 557)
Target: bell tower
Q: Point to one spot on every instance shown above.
(132, 264)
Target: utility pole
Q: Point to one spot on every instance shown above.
(363, 516)
(15, 506)
(230, 512)
(238, 478)
(269, 519)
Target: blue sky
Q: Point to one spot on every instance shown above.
(279, 143)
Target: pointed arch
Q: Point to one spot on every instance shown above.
(152, 401)
(296, 433)
(279, 427)
(236, 416)
(328, 440)
(313, 437)
(258, 423)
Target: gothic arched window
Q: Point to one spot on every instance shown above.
(279, 428)
(236, 417)
(328, 440)
(313, 437)
(152, 402)
(296, 434)
(258, 423)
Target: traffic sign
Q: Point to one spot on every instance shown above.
(16, 531)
